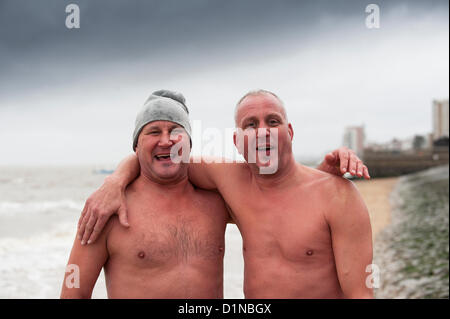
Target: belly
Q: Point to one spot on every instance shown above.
(276, 277)
(195, 279)
(283, 266)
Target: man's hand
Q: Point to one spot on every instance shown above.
(344, 160)
(109, 199)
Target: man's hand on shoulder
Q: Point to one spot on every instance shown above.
(109, 199)
(344, 160)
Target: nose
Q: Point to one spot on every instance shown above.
(165, 140)
(263, 130)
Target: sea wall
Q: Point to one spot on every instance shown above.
(412, 252)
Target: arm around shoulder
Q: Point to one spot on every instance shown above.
(109, 199)
(205, 172)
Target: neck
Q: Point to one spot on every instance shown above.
(285, 176)
(173, 187)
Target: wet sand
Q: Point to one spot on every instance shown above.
(376, 194)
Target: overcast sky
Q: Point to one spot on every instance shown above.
(70, 96)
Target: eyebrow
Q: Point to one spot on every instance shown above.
(254, 118)
(274, 115)
(152, 128)
(248, 119)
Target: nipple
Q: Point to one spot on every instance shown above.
(310, 252)
(141, 254)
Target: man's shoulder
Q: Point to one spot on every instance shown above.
(330, 184)
(341, 196)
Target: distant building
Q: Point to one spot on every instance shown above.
(440, 119)
(354, 139)
(395, 145)
(405, 145)
(416, 143)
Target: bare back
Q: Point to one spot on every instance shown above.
(173, 248)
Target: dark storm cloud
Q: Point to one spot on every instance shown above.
(123, 27)
(26, 24)
(36, 47)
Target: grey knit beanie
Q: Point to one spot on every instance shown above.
(163, 105)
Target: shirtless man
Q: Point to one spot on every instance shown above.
(306, 233)
(175, 245)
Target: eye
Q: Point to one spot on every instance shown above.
(250, 124)
(153, 133)
(273, 122)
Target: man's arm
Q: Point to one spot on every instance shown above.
(85, 262)
(205, 171)
(351, 236)
(109, 199)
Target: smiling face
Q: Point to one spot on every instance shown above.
(159, 144)
(267, 139)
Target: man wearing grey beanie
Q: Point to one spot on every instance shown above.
(306, 232)
(174, 247)
(163, 105)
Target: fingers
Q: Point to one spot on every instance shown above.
(331, 159)
(344, 158)
(123, 216)
(99, 225)
(83, 213)
(352, 164)
(359, 169)
(82, 228)
(89, 228)
(366, 172)
(81, 217)
(95, 225)
(349, 162)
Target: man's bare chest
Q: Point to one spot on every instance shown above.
(292, 227)
(155, 240)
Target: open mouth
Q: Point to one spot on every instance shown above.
(264, 148)
(163, 157)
